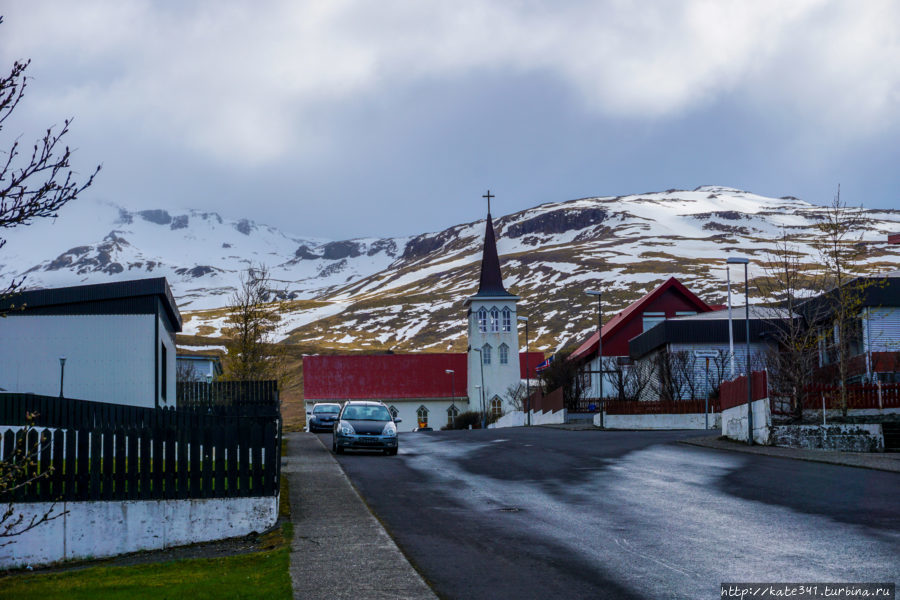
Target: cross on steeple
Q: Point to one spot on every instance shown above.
(489, 196)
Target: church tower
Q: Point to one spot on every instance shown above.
(493, 356)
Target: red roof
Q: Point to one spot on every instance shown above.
(634, 309)
(390, 376)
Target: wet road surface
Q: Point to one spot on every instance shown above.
(543, 513)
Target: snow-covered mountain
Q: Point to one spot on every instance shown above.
(406, 293)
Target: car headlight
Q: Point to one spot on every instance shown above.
(390, 429)
(346, 428)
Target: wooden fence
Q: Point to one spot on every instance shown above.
(886, 395)
(95, 453)
(734, 393)
(228, 397)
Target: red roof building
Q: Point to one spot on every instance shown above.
(391, 377)
(669, 300)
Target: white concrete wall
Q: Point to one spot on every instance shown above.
(517, 418)
(735, 426)
(109, 358)
(497, 378)
(98, 529)
(407, 411)
(687, 421)
(864, 437)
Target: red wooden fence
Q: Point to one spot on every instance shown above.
(734, 393)
(887, 395)
(679, 407)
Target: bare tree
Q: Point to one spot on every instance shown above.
(792, 359)
(842, 254)
(631, 382)
(34, 183)
(252, 353)
(565, 374)
(517, 394)
(674, 375)
(18, 470)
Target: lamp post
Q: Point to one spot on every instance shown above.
(735, 260)
(598, 293)
(481, 387)
(62, 372)
(527, 403)
(730, 328)
(452, 375)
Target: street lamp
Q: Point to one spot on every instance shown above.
(527, 376)
(481, 387)
(598, 293)
(452, 375)
(62, 372)
(735, 260)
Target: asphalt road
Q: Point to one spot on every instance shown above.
(543, 513)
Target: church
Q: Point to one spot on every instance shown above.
(431, 390)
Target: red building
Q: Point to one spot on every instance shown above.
(671, 299)
(416, 387)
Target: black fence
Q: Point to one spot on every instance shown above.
(228, 397)
(100, 451)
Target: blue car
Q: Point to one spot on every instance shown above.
(365, 425)
(323, 417)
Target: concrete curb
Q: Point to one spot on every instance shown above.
(339, 550)
(864, 460)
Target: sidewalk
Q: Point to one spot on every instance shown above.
(882, 461)
(339, 549)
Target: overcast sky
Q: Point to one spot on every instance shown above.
(346, 118)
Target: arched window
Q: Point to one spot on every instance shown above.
(495, 319)
(394, 412)
(496, 407)
(452, 413)
(507, 319)
(422, 415)
(482, 319)
(504, 354)
(486, 354)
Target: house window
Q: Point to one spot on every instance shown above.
(496, 407)
(685, 313)
(486, 354)
(495, 320)
(422, 415)
(482, 319)
(507, 319)
(652, 318)
(394, 412)
(504, 354)
(452, 413)
(165, 370)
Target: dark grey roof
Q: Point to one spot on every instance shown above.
(876, 291)
(138, 296)
(491, 282)
(689, 330)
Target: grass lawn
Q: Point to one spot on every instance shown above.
(261, 575)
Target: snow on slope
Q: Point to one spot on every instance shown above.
(406, 293)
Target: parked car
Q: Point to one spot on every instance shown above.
(365, 425)
(426, 428)
(323, 417)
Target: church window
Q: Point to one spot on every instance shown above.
(482, 319)
(452, 413)
(495, 320)
(507, 319)
(486, 354)
(504, 354)
(394, 412)
(422, 415)
(496, 407)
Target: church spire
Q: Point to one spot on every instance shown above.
(491, 283)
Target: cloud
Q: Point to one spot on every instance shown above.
(247, 83)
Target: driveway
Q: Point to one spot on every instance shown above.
(543, 513)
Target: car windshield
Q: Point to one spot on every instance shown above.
(366, 413)
(326, 409)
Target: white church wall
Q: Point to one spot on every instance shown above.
(497, 377)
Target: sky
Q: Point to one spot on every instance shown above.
(343, 118)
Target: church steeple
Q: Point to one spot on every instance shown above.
(491, 282)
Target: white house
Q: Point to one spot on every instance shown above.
(117, 341)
